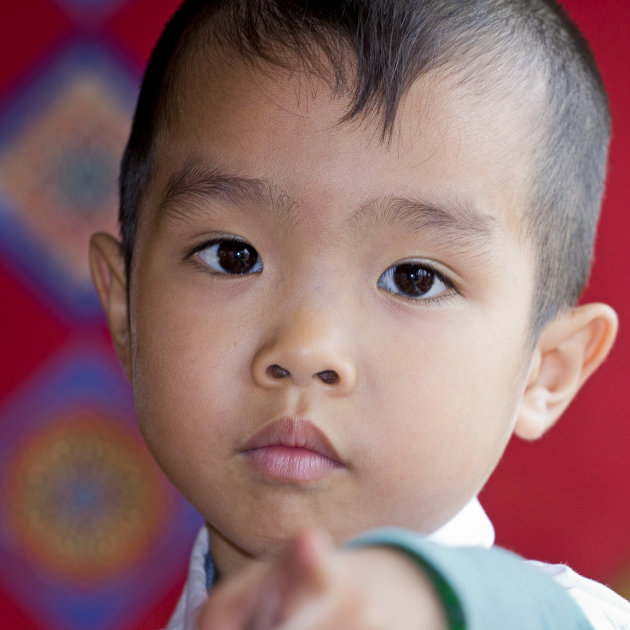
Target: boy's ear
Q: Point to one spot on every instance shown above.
(107, 265)
(570, 349)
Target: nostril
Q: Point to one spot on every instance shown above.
(330, 377)
(277, 371)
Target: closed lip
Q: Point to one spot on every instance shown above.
(293, 433)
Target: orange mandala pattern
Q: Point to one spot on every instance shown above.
(84, 498)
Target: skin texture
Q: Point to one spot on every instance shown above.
(426, 393)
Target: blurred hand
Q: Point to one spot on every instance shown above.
(315, 586)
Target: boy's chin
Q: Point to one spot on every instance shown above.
(271, 534)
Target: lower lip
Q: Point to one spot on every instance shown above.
(291, 464)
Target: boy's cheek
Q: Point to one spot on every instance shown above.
(180, 383)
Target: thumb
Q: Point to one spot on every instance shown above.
(242, 602)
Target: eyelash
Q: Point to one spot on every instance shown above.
(225, 240)
(387, 277)
(425, 267)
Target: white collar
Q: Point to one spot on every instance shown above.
(469, 527)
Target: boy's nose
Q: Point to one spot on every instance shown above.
(305, 352)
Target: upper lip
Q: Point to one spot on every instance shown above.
(295, 433)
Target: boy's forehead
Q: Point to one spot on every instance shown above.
(288, 129)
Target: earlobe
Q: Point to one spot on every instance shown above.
(108, 274)
(570, 349)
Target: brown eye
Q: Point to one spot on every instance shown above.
(231, 256)
(414, 281)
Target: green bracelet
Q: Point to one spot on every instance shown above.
(452, 606)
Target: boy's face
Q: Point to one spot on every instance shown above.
(383, 302)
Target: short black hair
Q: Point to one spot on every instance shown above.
(391, 43)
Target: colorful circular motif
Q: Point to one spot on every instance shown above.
(60, 171)
(84, 498)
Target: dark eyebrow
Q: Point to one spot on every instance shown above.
(456, 226)
(195, 183)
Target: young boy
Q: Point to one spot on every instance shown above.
(353, 236)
